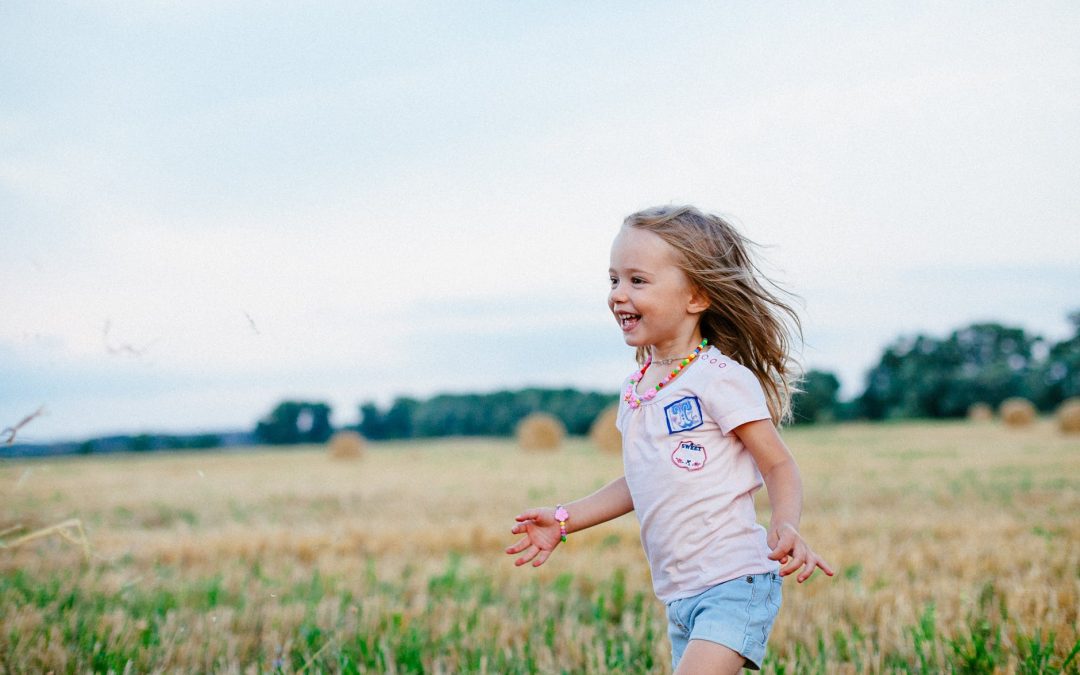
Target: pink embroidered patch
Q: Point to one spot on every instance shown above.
(689, 455)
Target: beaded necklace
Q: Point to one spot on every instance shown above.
(631, 396)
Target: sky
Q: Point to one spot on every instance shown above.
(210, 207)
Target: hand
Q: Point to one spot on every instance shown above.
(542, 535)
(793, 553)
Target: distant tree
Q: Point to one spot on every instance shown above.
(141, 443)
(398, 421)
(817, 400)
(293, 422)
(451, 415)
(203, 442)
(372, 423)
(929, 377)
(1059, 374)
(316, 419)
(575, 409)
(889, 390)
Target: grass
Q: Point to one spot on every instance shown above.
(957, 546)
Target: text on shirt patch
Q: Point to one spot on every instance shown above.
(689, 455)
(684, 415)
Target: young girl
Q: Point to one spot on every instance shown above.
(699, 438)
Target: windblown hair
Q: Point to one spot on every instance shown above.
(748, 317)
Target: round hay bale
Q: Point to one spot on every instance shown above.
(1068, 416)
(346, 445)
(980, 412)
(603, 433)
(1017, 412)
(540, 431)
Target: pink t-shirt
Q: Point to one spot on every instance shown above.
(692, 480)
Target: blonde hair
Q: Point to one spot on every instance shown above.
(748, 318)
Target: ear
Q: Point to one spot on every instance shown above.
(699, 301)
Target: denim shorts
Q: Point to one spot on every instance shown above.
(738, 614)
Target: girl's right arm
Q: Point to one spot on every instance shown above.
(541, 530)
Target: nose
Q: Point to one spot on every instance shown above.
(616, 297)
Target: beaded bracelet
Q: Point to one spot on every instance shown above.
(562, 516)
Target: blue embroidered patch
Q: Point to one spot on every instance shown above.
(684, 415)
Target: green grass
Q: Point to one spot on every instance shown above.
(622, 625)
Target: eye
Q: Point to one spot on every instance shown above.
(614, 281)
(637, 280)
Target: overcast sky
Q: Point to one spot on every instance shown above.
(208, 207)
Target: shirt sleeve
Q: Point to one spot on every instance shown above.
(735, 397)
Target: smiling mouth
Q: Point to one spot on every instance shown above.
(627, 321)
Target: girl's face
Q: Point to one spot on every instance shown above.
(651, 297)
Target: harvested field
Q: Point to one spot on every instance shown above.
(957, 547)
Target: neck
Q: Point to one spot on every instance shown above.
(669, 353)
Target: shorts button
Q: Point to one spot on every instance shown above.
(749, 579)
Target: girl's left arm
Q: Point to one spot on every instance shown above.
(784, 484)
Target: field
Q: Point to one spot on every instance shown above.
(957, 547)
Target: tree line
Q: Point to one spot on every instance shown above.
(917, 376)
(494, 414)
(926, 376)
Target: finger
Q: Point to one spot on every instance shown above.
(531, 514)
(518, 547)
(530, 553)
(783, 546)
(812, 563)
(792, 565)
(542, 558)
